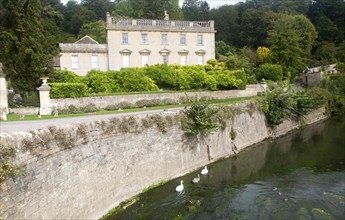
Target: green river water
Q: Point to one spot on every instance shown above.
(298, 176)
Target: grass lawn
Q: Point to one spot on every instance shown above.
(16, 117)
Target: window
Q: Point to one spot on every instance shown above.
(144, 38)
(125, 61)
(183, 60)
(144, 60)
(164, 39)
(201, 59)
(75, 62)
(94, 62)
(182, 39)
(125, 38)
(200, 40)
(165, 59)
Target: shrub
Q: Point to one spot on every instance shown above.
(163, 75)
(64, 76)
(100, 82)
(225, 79)
(199, 119)
(285, 103)
(269, 71)
(68, 90)
(241, 75)
(134, 79)
(91, 107)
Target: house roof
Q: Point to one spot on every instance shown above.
(85, 45)
(86, 40)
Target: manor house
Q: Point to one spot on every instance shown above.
(140, 42)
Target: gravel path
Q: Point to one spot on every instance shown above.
(18, 126)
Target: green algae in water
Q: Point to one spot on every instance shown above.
(319, 214)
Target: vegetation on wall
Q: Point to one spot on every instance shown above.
(7, 166)
(199, 119)
(284, 102)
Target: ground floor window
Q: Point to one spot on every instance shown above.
(75, 62)
(125, 61)
(183, 60)
(94, 62)
(201, 59)
(145, 60)
(165, 59)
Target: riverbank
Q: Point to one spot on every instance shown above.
(84, 170)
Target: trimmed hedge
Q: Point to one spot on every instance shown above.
(150, 78)
(67, 90)
(269, 71)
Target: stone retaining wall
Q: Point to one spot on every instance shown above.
(82, 170)
(104, 101)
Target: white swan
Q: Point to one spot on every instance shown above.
(204, 171)
(179, 188)
(196, 179)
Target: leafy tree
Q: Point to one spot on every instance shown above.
(25, 51)
(284, 43)
(195, 10)
(223, 49)
(326, 53)
(306, 30)
(99, 7)
(153, 9)
(226, 20)
(263, 54)
(255, 25)
(96, 30)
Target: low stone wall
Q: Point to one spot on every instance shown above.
(104, 101)
(25, 111)
(82, 170)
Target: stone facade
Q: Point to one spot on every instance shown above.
(80, 171)
(84, 55)
(140, 42)
(313, 76)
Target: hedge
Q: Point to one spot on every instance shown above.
(67, 90)
(269, 71)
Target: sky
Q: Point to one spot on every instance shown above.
(211, 3)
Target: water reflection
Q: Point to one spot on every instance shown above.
(298, 176)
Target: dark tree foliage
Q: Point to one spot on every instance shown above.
(26, 44)
(196, 10)
(226, 21)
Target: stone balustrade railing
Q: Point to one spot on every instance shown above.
(120, 23)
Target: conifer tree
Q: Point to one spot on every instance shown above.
(25, 49)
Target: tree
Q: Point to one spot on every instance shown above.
(306, 30)
(291, 41)
(328, 17)
(99, 7)
(152, 9)
(25, 51)
(226, 21)
(284, 43)
(96, 30)
(195, 10)
(255, 25)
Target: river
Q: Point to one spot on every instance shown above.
(298, 176)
